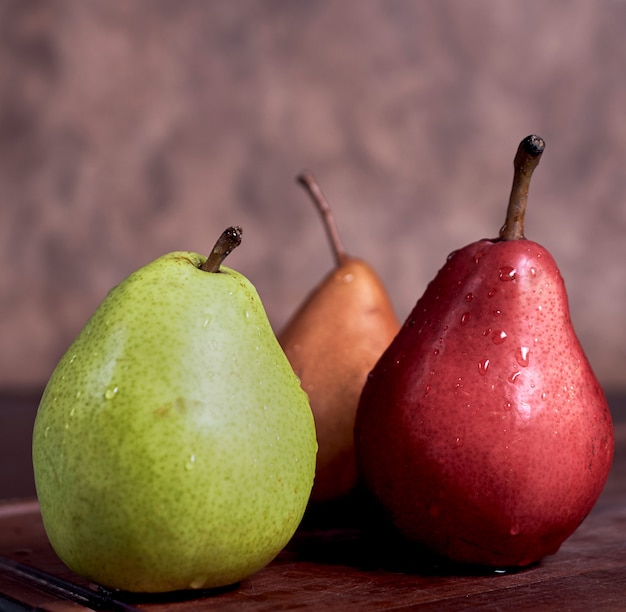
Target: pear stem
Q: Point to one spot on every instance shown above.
(229, 240)
(526, 160)
(307, 180)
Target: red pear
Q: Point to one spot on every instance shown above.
(482, 430)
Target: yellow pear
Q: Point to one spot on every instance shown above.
(173, 446)
(333, 341)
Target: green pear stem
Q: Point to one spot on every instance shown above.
(307, 180)
(229, 240)
(526, 160)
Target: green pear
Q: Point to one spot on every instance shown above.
(173, 447)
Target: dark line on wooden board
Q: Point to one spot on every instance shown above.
(63, 588)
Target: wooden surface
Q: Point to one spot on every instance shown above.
(326, 567)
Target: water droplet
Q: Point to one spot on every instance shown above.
(206, 321)
(78, 394)
(436, 352)
(197, 583)
(514, 376)
(464, 318)
(191, 462)
(427, 389)
(482, 366)
(522, 355)
(72, 412)
(458, 442)
(544, 395)
(491, 292)
(110, 393)
(246, 314)
(540, 308)
(533, 271)
(410, 322)
(499, 336)
(72, 358)
(515, 530)
(459, 383)
(469, 297)
(46, 432)
(508, 405)
(487, 331)
(478, 256)
(496, 313)
(451, 255)
(507, 273)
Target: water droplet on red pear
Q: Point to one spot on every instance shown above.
(521, 355)
(514, 376)
(499, 336)
(507, 273)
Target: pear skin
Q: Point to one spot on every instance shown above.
(332, 342)
(483, 432)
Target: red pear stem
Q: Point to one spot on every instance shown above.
(526, 160)
(229, 240)
(307, 180)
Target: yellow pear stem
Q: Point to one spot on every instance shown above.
(526, 160)
(307, 180)
(229, 240)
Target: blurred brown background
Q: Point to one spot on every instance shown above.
(129, 129)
